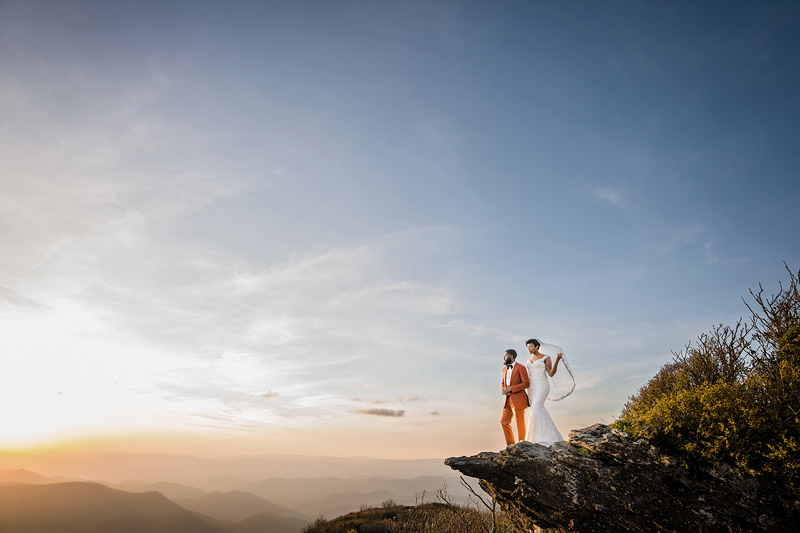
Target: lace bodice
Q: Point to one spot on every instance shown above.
(537, 371)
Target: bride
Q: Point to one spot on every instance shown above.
(541, 429)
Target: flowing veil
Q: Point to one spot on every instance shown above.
(563, 383)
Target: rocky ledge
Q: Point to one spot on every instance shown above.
(602, 480)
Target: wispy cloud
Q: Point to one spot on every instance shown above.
(209, 328)
(373, 401)
(664, 240)
(712, 258)
(606, 195)
(380, 412)
(399, 399)
(464, 327)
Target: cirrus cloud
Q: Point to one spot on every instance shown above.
(606, 195)
(380, 412)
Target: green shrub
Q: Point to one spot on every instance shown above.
(733, 397)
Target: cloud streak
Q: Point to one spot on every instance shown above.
(209, 326)
(392, 413)
(605, 195)
(712, 258)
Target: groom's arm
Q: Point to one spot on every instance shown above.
(526, 382)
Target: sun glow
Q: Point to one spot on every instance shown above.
(64, 372)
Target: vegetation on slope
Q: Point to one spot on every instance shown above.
(735, 395)
(476, 516)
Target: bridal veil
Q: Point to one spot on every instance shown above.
(563, 383)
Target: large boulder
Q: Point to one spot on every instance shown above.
(602, 480)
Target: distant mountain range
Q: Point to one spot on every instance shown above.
(21, 475)
(236, 505)
(222, 503)
(173, 491)
(187, 469)
(95, 508)
(92, 508)
(332, 496)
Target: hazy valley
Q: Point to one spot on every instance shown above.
(166, 493)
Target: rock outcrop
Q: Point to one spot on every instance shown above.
(602, 480)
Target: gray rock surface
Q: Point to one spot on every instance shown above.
(602, 480)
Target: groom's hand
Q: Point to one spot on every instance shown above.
(506, 390)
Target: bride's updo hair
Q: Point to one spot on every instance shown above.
(534, 342)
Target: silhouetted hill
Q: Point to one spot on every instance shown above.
(21, 475)
(173, 491)
(93, 508)
(236, 505)
(170, 490)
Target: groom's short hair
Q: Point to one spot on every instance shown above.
(534, 342)
(512, 352)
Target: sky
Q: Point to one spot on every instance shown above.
(315, 226)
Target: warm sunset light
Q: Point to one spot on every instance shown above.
(272, 266)
(314, 228)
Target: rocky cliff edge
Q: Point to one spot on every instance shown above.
(603, 480)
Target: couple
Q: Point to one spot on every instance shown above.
(529, 385)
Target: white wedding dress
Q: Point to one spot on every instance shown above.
(540, 428)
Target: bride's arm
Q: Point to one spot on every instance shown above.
(552, 368)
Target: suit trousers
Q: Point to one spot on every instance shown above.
(505, 422)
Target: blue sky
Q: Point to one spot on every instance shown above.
(270, 225)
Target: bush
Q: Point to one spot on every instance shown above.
(735, 396)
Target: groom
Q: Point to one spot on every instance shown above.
(515, 381)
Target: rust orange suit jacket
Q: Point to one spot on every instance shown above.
(519, 382)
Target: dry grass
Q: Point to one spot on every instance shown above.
(431, 517)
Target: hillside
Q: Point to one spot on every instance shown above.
(173, 491)
(93, 508)
(236, 505)
(424, 518)
(21, 475)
